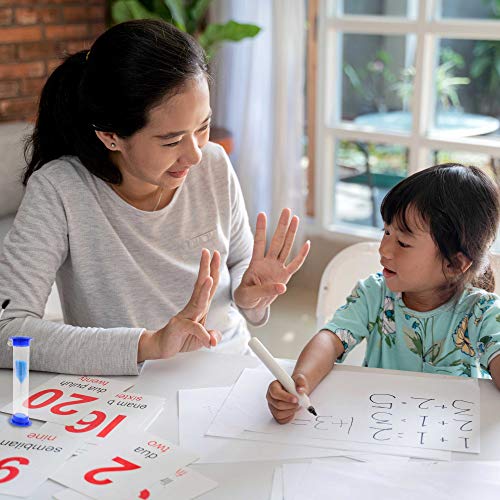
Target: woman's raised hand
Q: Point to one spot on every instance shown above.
(268, 273)
(186, 331)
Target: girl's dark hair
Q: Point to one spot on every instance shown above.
(129, 69)
(461, 207)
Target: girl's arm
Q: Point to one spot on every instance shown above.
(318, 357)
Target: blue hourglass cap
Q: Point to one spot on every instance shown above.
(20, 341)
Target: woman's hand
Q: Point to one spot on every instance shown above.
(186, 330)
(267, 274)
(282, 404)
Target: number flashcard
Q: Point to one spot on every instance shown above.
(64, 399)
(111, 416)
(28, 457)
(185, 485)
(119, 466)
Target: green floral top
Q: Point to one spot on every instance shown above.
(458, 338)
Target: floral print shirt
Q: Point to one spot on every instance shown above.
(458, 338)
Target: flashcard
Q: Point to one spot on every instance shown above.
(185, 485)
(121, 465)
(113, 415)
(28, 456)
(64, 399)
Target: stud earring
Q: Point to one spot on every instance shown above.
(113, 145)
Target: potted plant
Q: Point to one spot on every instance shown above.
(189, 16)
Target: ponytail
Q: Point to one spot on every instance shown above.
(62, 127)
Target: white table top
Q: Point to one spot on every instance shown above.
(451, 123)
(249, 480)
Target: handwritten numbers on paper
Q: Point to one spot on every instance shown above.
(424, 419)
(326, 423)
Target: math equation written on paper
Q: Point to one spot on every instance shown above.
(416, 421)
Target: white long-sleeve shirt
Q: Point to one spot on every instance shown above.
(119, 270)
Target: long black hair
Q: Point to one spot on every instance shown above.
(461, 207)
(129, 69)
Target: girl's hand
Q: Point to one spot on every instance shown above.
(186, 330)
(267, 274)
(282, 404)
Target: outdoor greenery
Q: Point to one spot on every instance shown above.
(188, 16)
(485, 67)
(377, 79)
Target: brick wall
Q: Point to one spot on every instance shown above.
(34, 35)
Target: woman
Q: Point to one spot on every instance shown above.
(123, 193)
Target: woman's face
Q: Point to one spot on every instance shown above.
(163, 152)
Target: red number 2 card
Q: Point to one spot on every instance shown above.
(119, 466)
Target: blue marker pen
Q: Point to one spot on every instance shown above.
(20, 380)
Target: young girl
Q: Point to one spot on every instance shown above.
(124, 190)
(432, 308)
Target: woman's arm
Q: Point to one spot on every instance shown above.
(33, 251)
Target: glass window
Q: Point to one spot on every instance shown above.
(377, 81)
(467, 84)
(478, 9)
(376, 8)
(364, 175)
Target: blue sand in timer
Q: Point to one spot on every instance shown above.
(20, 380)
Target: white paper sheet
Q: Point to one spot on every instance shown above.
(277, 486)
(197, 408)
(411, 481)
(246, 407)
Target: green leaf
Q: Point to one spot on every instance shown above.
(478, 66)
(353, 76)
(198, 10)
(178, 11)
(126, 10)
(388, 340)
(232, 31)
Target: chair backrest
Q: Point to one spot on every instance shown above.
(495, 265)
(352, 264)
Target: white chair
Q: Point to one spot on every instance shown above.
(354, 263)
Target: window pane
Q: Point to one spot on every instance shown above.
(467, 82)
(378, 81)
(484, 9)
(365, 172)
(490, 165)
(378, 8)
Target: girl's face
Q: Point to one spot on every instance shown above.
(163, 152)
(412, 261)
